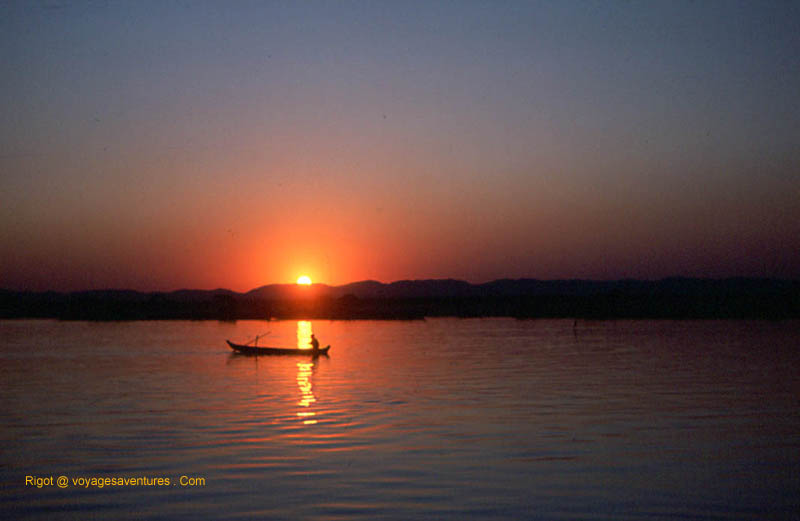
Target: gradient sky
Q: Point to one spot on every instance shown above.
(161, 145)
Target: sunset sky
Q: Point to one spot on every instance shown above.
(165, 145)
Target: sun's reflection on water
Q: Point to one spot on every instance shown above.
(304, 334)
(307, 398)
(304, 372)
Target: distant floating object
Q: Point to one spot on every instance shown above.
(253, 350)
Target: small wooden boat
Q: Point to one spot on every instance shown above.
(254, 350)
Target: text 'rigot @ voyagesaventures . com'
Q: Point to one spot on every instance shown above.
(116, 481)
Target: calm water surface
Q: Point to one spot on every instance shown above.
(436, 419)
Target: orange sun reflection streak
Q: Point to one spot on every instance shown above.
(304, 371)
(303, 334)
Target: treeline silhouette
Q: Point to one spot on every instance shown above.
(675, 298)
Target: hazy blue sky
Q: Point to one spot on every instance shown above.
(157, 145)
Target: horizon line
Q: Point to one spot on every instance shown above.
(446, 279)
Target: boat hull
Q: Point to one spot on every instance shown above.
(253, 350)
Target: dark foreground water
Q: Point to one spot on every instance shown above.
(437, 419)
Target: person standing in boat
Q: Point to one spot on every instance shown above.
(314, 343)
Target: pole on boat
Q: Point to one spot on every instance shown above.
(257, 337)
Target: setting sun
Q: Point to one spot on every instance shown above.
(304, 279)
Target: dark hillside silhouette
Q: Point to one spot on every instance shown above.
(412, 299)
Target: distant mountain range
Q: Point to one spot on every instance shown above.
(452, 288)
(667, 298)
